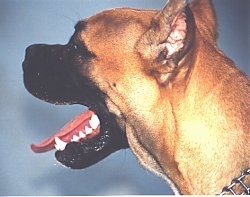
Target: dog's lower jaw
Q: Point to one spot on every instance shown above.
(146, 159)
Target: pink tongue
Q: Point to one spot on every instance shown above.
(66, 133)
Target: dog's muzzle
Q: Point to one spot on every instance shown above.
(51, 73)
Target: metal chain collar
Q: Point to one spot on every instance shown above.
(238, 182)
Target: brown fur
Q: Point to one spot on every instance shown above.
(194, 130)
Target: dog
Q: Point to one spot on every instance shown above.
(155, 82)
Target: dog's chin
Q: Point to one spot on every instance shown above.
(79, 155)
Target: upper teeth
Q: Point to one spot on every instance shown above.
(94, 121)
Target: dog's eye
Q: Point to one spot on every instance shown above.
(80, 50)
(73, 47)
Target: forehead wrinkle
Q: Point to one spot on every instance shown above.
(118, 26)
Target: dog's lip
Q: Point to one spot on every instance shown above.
(71, 132)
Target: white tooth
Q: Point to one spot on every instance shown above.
(75, 138)
(81, 134)
(88, 130)
(59, 144)
(94, 121)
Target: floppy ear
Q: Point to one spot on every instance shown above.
(161, 43)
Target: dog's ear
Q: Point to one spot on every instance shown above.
(205, 19)
(171, 35)
(154, 40)
(163, 40)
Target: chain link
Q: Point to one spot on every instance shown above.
(238, 182)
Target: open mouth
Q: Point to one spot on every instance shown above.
(83, 127)
(82, 142)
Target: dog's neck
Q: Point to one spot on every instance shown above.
(196, 82)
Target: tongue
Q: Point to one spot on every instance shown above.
(72, 128)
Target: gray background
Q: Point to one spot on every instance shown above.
(25, 119)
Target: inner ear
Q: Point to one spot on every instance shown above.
(174, 42)
(167, 54)
(166, 28)
(176, 38)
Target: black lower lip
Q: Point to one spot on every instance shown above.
(78, 155)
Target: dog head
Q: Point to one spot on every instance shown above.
(118, 63)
